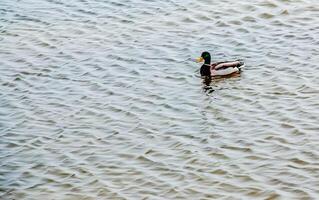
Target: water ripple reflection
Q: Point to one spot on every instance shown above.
(100, 100)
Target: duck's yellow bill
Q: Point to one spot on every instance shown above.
(200, 59)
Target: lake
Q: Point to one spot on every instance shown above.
(101, 99)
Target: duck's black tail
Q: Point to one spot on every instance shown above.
(240, 65)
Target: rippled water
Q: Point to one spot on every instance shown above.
(100, 100)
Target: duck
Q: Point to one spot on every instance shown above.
(219, 68)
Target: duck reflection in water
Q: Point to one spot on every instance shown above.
(208, 81)
(208, 89)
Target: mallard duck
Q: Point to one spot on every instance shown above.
(219, 68)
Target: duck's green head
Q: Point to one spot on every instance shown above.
(204, 57)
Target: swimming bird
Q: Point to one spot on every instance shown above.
(219, 68)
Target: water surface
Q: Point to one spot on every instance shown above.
(100, 100)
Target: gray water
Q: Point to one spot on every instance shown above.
(100, 99)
